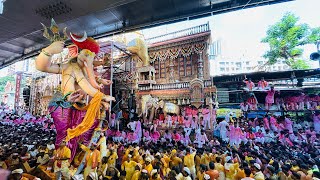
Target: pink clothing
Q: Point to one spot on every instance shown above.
(167, 136)
(262, 84)
(185, 140)
(195, 112)
(266, 123)
(258, 134)
(288, 125)
(187, 123)
(274, 124)
(206, 113)
(155, 136)
(176, 137)
(249, 85)
(174, 119)
(250, 136)
(270, 96)
(316, 123)
(188, 111)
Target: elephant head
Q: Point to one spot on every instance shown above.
(147, 102)
(139, 48)
(90, 48)
(169, 107)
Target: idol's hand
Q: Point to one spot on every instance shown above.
(105, 105)
(105, 101)
(76, 96)
(106, 82)
(107, 98)
(55, 48)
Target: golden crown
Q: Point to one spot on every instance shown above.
(54, 28)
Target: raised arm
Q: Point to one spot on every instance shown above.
(43, 61)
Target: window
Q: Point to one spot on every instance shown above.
(260, 62)
(237, 69)
(231, 63)
(248, 68)
(156, 67)
(182, 68)
(221, 63)
(227, 69)
(238, 64)
(247, 63)
(163, 69)
(188, 61)
(222, 69)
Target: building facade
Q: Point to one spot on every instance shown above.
(181, 65)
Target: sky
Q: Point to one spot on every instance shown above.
(241, 31)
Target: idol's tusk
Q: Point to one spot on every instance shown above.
(84, 37)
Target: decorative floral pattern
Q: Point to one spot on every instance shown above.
(173, 53)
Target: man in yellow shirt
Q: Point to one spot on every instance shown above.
(103, 145)
(219, 167)
(112, 158)
(188, 160)
(175, 161)
(149, 166)
(137, 172)
(61, 161)
(129, 167)
(258, 175)
(92, 159)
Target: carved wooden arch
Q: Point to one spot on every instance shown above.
(197, 92)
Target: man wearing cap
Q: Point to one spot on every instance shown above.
(61, 161)
(258, 175)
(92, 159)
(175, 161)
(186, 173)
(17, 174)
(149, 166)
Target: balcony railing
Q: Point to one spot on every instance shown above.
(177, 85)
(182, 33)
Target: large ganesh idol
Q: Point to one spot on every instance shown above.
(74, 119)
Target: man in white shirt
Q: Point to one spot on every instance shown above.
(268, 136)
(50, 146)
(222, 126)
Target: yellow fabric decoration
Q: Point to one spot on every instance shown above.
(88, 120)
(81, 108)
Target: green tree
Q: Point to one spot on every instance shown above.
(4, 80)
(286, 38)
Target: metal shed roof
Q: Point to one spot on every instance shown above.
(21, 32)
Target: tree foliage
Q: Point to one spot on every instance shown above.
(4, 80)
(286, 38)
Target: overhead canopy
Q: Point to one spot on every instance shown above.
(21, 32)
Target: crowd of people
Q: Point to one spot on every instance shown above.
(294, 101)
(234, 148)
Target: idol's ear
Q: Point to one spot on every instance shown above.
(73, 51)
